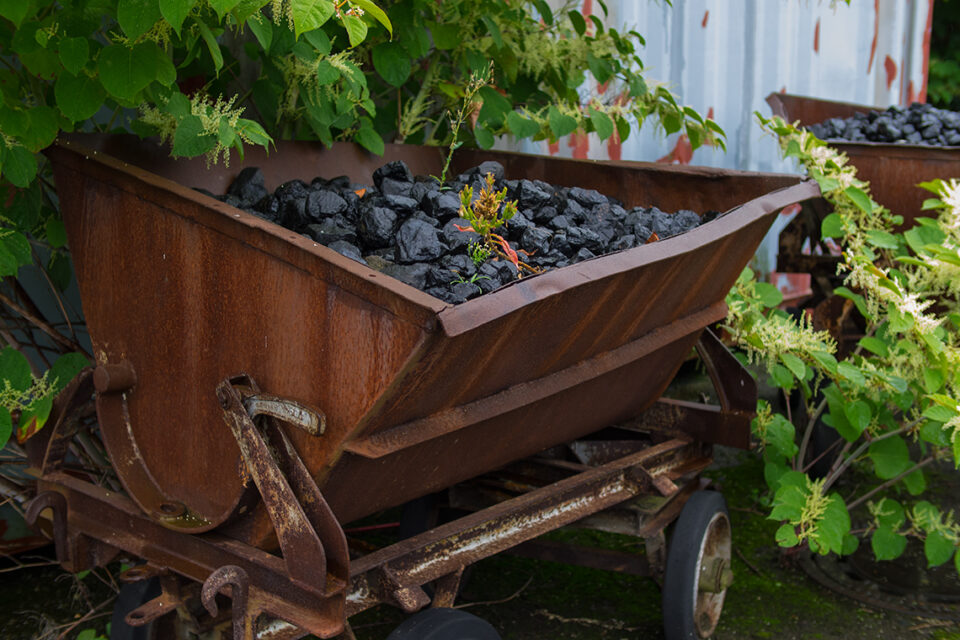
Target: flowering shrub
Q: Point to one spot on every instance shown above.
(893, 401)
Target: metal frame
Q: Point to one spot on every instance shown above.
(314, 587)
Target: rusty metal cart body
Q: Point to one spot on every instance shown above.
(893, 169)
(257, 391)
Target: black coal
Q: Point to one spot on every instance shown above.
(406, 226)
(917, 124)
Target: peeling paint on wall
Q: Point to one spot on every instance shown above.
(730, 54)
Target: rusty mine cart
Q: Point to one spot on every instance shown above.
(257, 392)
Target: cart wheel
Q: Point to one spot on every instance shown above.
(698, 568)
(131, 596)
(444, 624)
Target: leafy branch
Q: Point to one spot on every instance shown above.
(893, 399)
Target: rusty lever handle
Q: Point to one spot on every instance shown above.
(311, 420)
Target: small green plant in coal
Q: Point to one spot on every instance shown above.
(490, 211)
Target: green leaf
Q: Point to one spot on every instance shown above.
(887, 544)
(671, 123)
(858, 415)
(781, 435)
(66, 369)
(15, 369)
(782, 377)
(56, 234)
(933, 380)
(375, 11)
(392, 63)
(934, 433)
(136, 17)
(602, 123)
(850, 544)
(939, 413)
(916, 482)
(789, 502)
(356, 29)
(560, 123)
(319, 40)
(15, 10)
(890, 513)
(495, 107)
(493, 30)
(212, 45)
(19, 166)
(938, 548)
(190, 139)
(33, 419)
(484, 138)
(326, 73)
(14, 252)
(126, 71)
(445, 36)
(786, 536)
(772, 472)
(176, 11)
(921, 236)
(369, 139)
(875, 345)
(851, 373)
(579, 24)
(6, 427)
(601, 69)
(597, 23)
(544, 10)
(795, 364)
(859, 198)
(78, 97)
(311, 14)
(832, 226)
(223, 7)
(857, 299)
(74, 53)
(834, 524)
(926, 515)
(881, 239)
(254, 132)
(890, 457)
(825, 360)
(44, 126)
(262, 30)
(521, 127)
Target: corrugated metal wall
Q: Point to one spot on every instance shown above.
(724, 57)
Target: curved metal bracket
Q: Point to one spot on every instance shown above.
(311, 539)
(239, 582)
(58, 504)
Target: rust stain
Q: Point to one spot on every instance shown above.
(580, 143)
(783, 89)
(891, 68)
(614, 147)
(876, 34)
(922, 97)
(553, 148)
(706, 17)
(682, 152)
(816, 37)
(911, 94)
